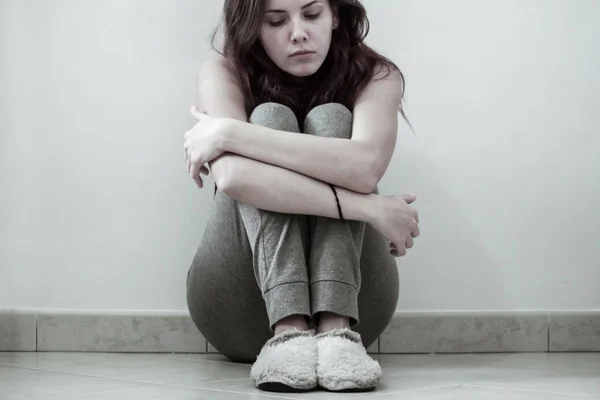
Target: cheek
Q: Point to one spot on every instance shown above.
(271, 43)
(324, 37)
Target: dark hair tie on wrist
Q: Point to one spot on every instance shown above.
(338, 202)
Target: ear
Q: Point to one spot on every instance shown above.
(336, 20)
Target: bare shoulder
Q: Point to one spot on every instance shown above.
(212, 67)
(386, 84)
(218, 93)
(214, 70)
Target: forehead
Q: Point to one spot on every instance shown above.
(292, 4)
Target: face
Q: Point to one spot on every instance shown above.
(296, 34)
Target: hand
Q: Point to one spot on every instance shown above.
(397, 221)
(204, 143)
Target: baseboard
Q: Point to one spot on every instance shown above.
(409, 332)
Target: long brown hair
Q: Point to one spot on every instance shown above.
(348, 68)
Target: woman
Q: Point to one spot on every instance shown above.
(298, 121)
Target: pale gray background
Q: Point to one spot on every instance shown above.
(97, 211)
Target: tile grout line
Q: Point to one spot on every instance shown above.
(36, 332)
(549, 350)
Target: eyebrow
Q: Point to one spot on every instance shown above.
(303, 7)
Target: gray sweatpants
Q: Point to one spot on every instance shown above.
(255, 267)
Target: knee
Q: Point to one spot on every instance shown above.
(330, 108)
(275, 116)
(329, 120)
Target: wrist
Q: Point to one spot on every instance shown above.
(357, 206)
(369, 209)
(229, 135)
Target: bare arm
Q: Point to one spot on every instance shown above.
(357, 164)
(273, 188)
(262, 185)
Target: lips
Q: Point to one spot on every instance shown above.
(301, 53)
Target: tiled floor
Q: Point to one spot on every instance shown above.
(102, 376)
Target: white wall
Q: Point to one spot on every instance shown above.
(97, 211)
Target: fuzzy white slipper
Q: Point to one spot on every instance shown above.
(343, 363)
(287, 363)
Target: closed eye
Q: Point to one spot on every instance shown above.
(281, 22)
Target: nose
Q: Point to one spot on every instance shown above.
(299, 33)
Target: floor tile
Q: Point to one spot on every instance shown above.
(460, 368)
(149, 368)
(246, 386)
(578, 361)
(582, 383)
(19, 383)
(479, 368)
(102, 376)
(462, 392)
(209, 358)
(573, 374)
(166, 393)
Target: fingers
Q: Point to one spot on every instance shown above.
(409, 198)
(195, 173)
(401, 251)
(197, 114)
(415, 231)
(195, 166)
(397, 251)
(203, 170)
(408, 243)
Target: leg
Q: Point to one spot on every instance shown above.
(342, 253)
(279, 241)
(335, 246)
(378, 297)
(223, 299)
(287, 362)
(352, 273)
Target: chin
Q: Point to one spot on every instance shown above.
(303, 74)
(303, 70)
